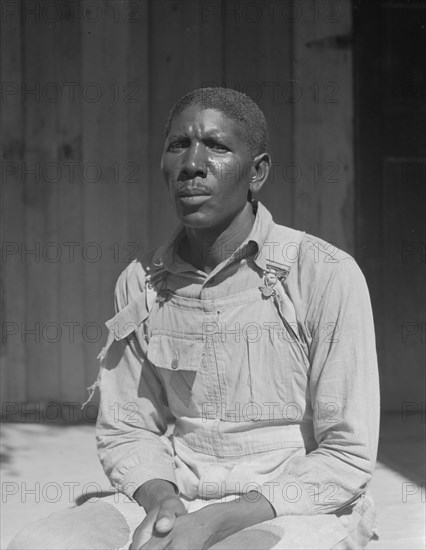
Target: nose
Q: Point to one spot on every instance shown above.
(194, 163)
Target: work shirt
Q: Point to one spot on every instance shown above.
(288, 408)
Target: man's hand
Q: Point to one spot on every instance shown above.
(202, 529)
(158, 523)
(190, 532)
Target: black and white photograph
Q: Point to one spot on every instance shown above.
(213, 267)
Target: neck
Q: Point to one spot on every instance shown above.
(207, 248)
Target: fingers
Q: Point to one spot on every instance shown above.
(143, 532)
(157, 543)
(155, 530)
(141, 541)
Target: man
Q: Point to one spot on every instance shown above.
(257, 342)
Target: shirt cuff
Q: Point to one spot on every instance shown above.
(137, 476)
(287, 496)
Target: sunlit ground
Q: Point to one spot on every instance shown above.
(44, 468)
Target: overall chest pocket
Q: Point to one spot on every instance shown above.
(265, 370)
(181, 364)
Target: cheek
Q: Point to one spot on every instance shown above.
(168, 169)
(234, 178)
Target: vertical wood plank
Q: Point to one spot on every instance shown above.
(70, 206)
(138, 135)
(13, 289)
(323, 134)
(40, 198)
(186, 49)
(258, 63)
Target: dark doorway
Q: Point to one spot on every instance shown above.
(390, 163)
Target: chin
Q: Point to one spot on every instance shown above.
(195, 220)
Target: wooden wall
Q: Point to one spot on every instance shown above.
(81, 185)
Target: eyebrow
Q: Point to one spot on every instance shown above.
(215, 134)
(177, 136)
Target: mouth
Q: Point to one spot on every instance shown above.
(186, 193)
(192, 197)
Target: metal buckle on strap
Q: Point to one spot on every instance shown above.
(279, 270)
(270, 279)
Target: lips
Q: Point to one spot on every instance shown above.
(193, 192)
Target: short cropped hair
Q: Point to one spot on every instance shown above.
(236, 106)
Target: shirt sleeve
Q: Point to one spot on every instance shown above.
(132, 423)
(344, 394)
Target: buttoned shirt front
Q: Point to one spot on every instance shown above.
(288, 408)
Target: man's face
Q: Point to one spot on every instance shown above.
(207, 168)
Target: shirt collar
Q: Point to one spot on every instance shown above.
(260, 231)
(166, 255)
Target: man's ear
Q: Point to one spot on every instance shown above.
(260, 170)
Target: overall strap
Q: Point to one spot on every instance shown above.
(281, 252)
(135, 312)
(129, 318)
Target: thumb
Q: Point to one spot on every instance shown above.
(165, 523)
(166, 518)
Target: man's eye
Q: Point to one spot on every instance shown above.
(217, 146)
(176, 146)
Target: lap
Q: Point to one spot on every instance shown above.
(109, 522)
(351, 529)
(99, 524)
(322, 532)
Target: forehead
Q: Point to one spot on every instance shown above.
(198, 120)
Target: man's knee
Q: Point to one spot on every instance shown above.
(93, 526)
(30, 537)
